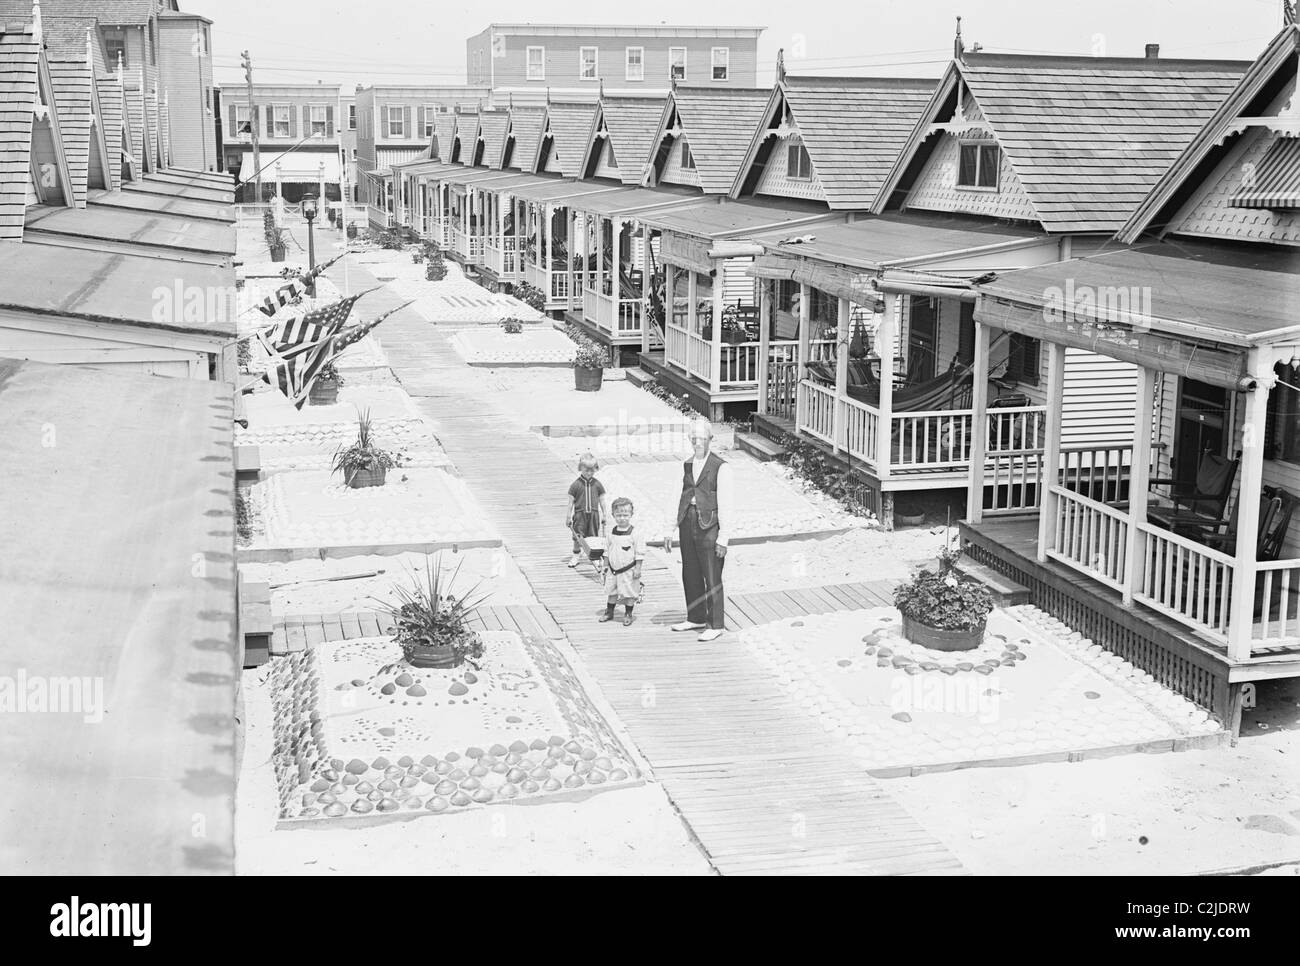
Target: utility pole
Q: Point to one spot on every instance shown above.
(253, 123)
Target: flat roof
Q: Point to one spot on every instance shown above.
(1236, 295)
(721, 219)
(475, 175)
(213, 180)
(119, 577)
(559, 189)
(173, 189)
(113, 287)
(144, 229)
(513, 180)
(875, 243)
(183, 207)
(626, 201)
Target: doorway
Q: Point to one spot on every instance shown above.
(1200, 426)
(922, 338)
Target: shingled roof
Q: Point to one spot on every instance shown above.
(467, 135)
(111, 12)
(1274, 68)
(853, 129)
(526, 127)
(1088, 137)
(19, 58)
(719, 125)
(570, 126)
(630, 123)
(110, 118)
(444, 128)
(492, 127)
(71, 80)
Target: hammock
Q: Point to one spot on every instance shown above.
(951, 390)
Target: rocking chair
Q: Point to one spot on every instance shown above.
(1201, 503)
(1275, 509)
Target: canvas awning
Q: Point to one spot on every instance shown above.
(640, 201)
(853, 284)
(1191, 309)
(118, 611)
(296, 167)
(1275, 182)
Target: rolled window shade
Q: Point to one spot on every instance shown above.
(329, 121)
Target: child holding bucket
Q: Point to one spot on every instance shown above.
(588, 509)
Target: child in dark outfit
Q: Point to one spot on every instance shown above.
(588, 510)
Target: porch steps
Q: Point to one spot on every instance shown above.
(761, 448)
(256, 624)
(1006, 592)
(638, 376)
(772, 427)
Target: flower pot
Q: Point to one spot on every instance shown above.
(323, 394)
(938, 639)
(587, 380)
(908, 519)
(438, 656)
(359, 479)
(277, 253)
(352, 231)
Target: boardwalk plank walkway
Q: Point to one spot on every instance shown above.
(757, 780)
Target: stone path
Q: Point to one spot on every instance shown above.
(760, 784)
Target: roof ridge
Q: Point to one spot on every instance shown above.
(993, 59)
(799, 80)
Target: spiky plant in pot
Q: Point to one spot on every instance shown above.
(431, 618)
(363, 463)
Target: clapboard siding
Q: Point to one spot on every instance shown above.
(71, 81)
(19, 55)
(509, 69)
(737, 283)
(191, 125)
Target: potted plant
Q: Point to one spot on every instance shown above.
(942, 611)
(431, 620)
(435, 268)
(589, 366)
(363, 463)
(531, 296)
(513, 326)
(352, 232)
(325, 390)
(275, 242)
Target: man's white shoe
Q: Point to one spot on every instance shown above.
(712, 634)
(688, 626)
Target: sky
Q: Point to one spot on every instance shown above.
(390, 41)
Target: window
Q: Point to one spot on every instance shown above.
(1022, 358)
(352, 117)
(1282, 427)
(428, 112)
(280, 120)
(536, 63)
(721, 63)
(636, 63)
(242, 121)
(787, 292)
(798, 166)
(319, 125)
(115, 47)
(587, 63)
(677, 63)
(978, 165)
(688, 160)
(396, 122)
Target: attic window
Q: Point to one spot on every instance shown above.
(798, 166)
(688, 160)
(115, 46)
(978, 165)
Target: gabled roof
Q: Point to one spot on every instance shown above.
(718, 124)
(467, 136)
(1272, 71)
(492, 127)
(851, 127)
(526, 127)
(72, 95)
(444, 129)
(110, 119)
(19, 64)
(629, 123)
(1086, 136)
(570, 130)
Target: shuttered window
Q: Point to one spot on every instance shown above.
(1023, 358)
(318, 120)
(396, 119)
(966, 334)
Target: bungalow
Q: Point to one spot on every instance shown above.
(1015, 161)
(504, 263)
(1180, 557)
(816, 150)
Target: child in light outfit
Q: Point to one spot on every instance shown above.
(588, 511)
(624, 555)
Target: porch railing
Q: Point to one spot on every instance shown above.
(1089, 536)
(861, 429)
(1277, 582)
(617, 316)
(460, 243)
(1013, 459)
(930, 440)
(1185, 580)
(818, 417)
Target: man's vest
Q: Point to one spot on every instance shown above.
(704, 493)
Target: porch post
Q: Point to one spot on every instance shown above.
(887, 337)
(1052, 446)
(715, 350)
(801, 359)
(646, 284)
(1242, 615)
(838, 429)
(978, 426)
(1139, 482)
(764, 341)
(543, 253)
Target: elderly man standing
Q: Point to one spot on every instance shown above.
(704, 513)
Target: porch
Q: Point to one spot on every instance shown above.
(552, 250)
(1195, 573)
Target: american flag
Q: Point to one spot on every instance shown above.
(356, 333)
(287, 293)
(290, 336)
(295, 365)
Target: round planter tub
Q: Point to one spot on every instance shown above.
(587, 380)
(938, 639)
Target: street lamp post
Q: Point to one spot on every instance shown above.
(309, 212)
